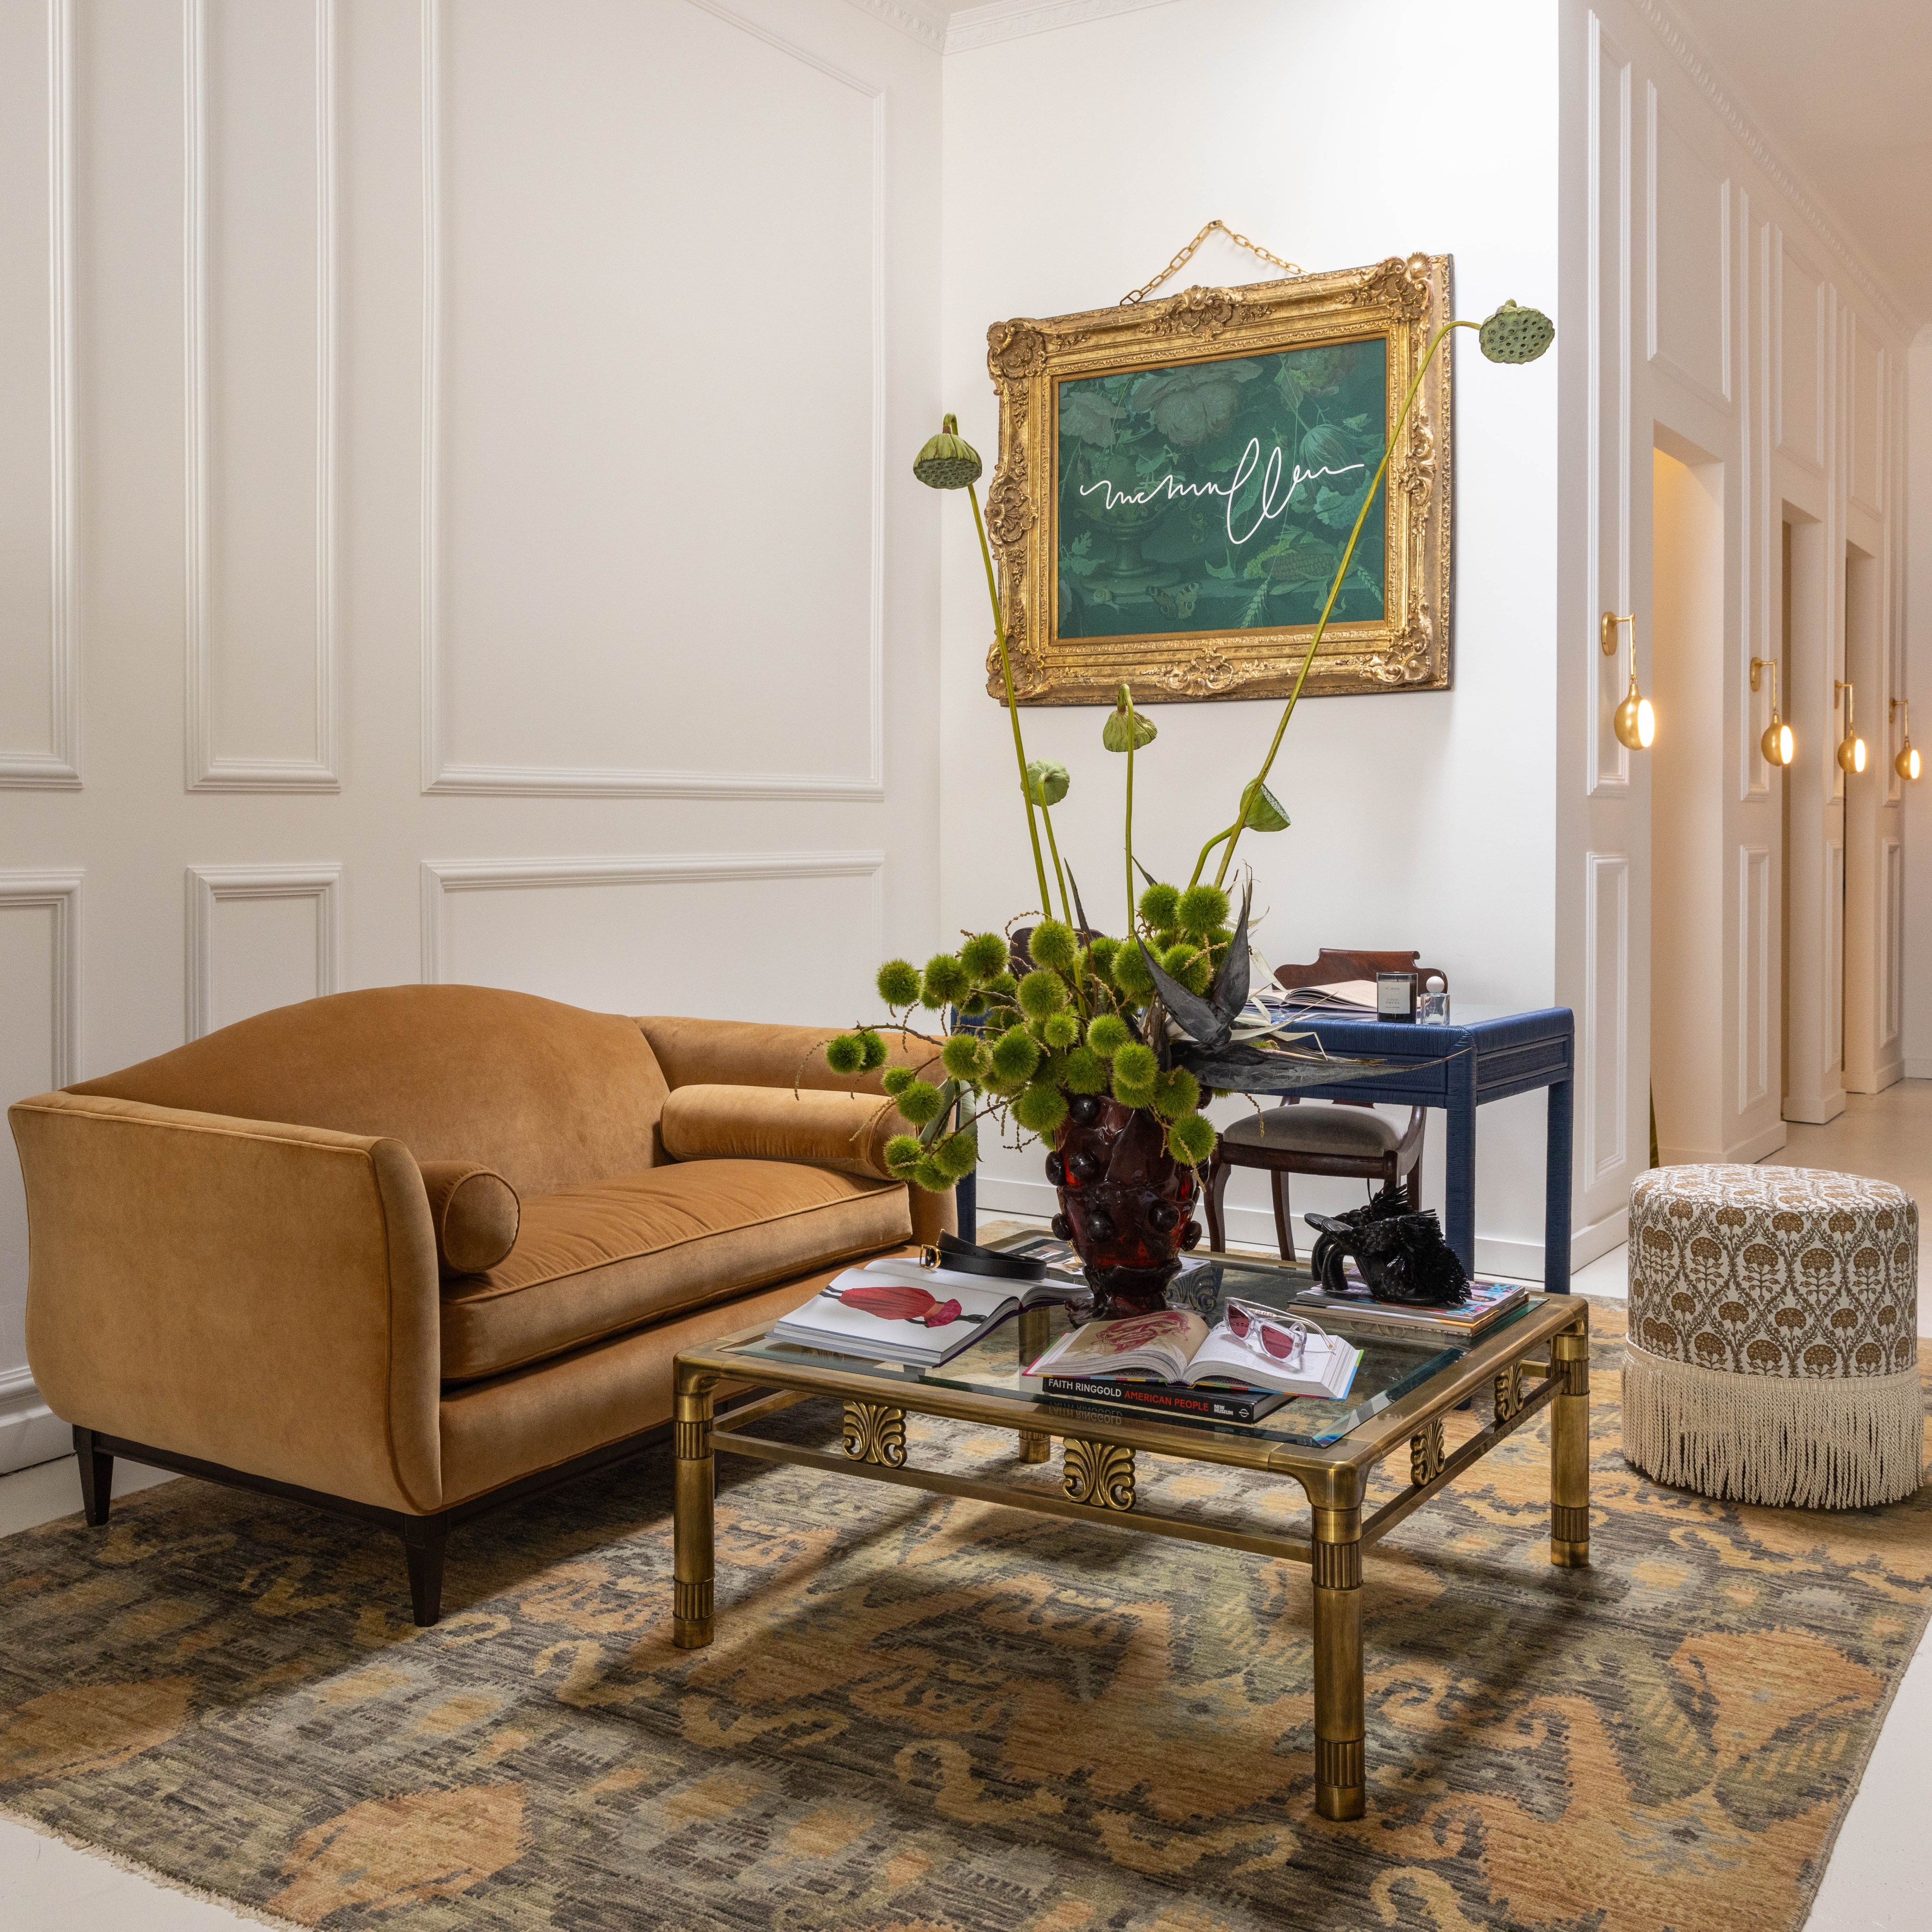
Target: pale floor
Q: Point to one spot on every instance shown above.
(1876, 1881)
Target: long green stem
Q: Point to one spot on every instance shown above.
(1129, 696)
(1012, 705)
(1059, 871)
(1200, 864)
(1334, 591)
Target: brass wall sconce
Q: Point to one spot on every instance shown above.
(1776, 744)
(1635, 722)
(1851, 746)
(1906, 763)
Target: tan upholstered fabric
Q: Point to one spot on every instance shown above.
(261, 1297)
(1316, 1128)
(548, 1095)
(495, 1431)
(748, 1053)
(845, 1131)
(590, 1261)
(474, 1212)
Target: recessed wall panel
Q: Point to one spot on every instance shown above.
(1607, 1013)
(1690, 261)
(652, 516)
(1866, 408)
(1799, 368)
(1753, 974)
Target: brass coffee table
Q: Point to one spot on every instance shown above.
(1537, 1358)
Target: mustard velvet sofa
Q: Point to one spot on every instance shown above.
(247, 1260)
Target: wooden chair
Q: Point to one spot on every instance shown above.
(1343, 1137)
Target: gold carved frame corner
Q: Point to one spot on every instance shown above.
(1408, 649)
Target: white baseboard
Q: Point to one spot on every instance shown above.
(1593, 1242)
(30, 1432)
(1916, 1068)
(1755, 1147)
(1254, 1227)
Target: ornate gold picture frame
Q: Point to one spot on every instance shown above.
(1177, 480)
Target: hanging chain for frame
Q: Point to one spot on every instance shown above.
(1180, 261)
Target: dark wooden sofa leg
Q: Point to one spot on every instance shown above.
(97, 1477)
(425, 1539)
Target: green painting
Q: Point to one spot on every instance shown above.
(1218, 496)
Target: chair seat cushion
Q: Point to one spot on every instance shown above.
(594, 1260)
(1316, 1128)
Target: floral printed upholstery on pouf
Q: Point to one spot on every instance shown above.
(1772, 1353)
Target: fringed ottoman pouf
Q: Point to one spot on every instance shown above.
(1772, 1354)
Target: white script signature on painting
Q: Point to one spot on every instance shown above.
(1171, 487)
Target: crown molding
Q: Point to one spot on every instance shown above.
(1011, 19)
(1719, 90)
(913, 18)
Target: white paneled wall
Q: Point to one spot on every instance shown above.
(1725, 322)
(456, 477)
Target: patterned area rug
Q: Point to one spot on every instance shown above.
(922, 1714)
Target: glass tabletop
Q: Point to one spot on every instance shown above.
(1390, 1368)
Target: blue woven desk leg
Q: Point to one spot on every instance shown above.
(1459, 1157)
(1556, 1193)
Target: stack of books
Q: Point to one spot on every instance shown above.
(1488, 1303)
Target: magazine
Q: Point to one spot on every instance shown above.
(1176, 1347)
(895, 1310)
(1488, 1302)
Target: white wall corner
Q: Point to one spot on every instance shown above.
(981, 26)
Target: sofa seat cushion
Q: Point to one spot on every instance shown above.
(593, 1261)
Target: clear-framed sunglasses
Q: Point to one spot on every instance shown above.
(1269, 1333)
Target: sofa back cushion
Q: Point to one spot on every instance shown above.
(548, 1095)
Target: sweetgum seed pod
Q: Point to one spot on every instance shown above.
(1085, 1071)
(1159, 905)
(903, 1153)
(874, 1050)
(1136, 1064)
(985, 954)
(899, 982)
(1041, 992)
(1202, 908)
(1053, 944)
(946, 980)
(896, 1079)
(1041, 1108)
(964, 1057)
(921, 1101)
(1192, 1138)
(1016, 1055)
(1062, 1030)
(844, 1053)
(1108, 1033)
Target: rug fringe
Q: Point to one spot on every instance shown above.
(1770, 1440)
(120, 1861)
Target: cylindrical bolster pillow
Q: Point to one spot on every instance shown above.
(845, 1131)
(476, 1213)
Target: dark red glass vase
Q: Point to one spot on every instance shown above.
(1126, 1203)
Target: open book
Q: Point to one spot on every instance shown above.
(895, 1310)
(1175, 1345)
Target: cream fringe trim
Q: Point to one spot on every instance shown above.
(1772, 1439)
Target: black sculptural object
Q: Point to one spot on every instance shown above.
(1402, 1256)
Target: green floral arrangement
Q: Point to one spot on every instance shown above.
(1030, 1019)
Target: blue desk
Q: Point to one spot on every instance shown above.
(1489, 1060)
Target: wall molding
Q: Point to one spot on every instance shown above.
(58, 769)
(441, 774)
(913, 18)
(997, 20)
(57, 890)
(208, 886)
(1754, 976)
(441, 877)
(1718, 395)
(1603, 1005)
(1717, 89)
(208, 769)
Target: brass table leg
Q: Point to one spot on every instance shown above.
(1570, 1453)
(1036, 1331)
(693, 1502)
(1339, 1730)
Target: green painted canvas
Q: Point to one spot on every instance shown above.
(1219, 495)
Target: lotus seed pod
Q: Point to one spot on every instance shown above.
(844, 1054)
(1108, 1033)
(1160, 906)
(1176, 1092)
(921, 1101)
(903, 1153)
(947, 461)
(1113, 733)
(875, 1051)
(1015, 1054)
(1041, 1108)
(896, 1079)
(1053, 944)
(1192, 1138)
(965, 1056)
(1041, 992)
(899, 982)
(985, 956)
(1514, 334)
(1047, 781)
(1202, 909)
(1265, 813)
(1061, 1029)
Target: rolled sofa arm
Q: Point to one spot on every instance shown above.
(259, 1296)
